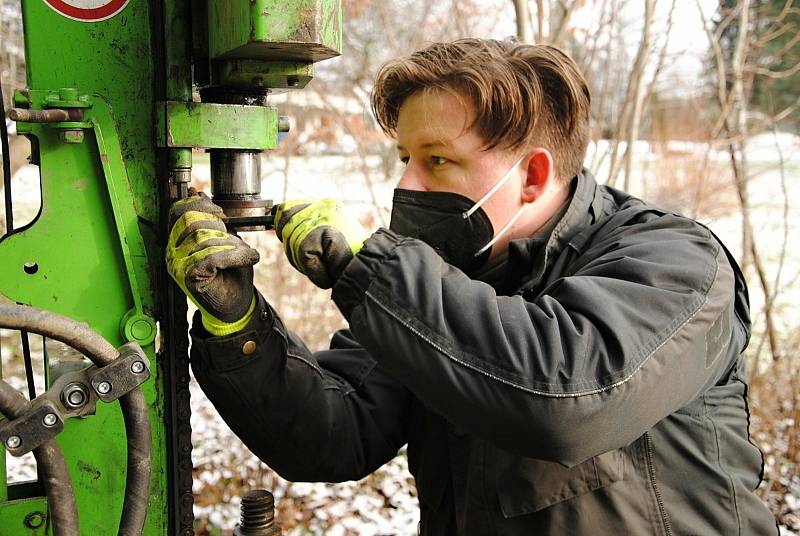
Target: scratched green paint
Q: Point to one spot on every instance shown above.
(262, 29)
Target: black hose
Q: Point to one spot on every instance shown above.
(52, 469)
(134, 407)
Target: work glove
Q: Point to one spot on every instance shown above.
(320, 240)
(212, 267)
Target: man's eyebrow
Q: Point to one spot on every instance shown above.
(428, 145)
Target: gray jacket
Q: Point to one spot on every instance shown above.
(598, 390)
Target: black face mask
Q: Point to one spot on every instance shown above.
(437, 218)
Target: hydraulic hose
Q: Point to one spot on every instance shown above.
(134, 407)
(52, 469)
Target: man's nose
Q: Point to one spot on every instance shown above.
(412, 178)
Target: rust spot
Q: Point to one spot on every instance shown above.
(104, 158)
(81, 184)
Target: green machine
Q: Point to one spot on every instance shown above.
(119, 94)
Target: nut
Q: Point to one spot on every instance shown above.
(74, 396)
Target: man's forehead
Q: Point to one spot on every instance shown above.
(429, 119)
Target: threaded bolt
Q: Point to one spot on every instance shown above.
(258, 515)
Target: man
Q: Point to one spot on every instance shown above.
(560, 357)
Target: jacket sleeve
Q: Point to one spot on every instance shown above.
(328, 416)
(639, 325)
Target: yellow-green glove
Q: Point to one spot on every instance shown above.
(320, 240)
(212, 267)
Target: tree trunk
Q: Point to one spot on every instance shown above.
(523, 12)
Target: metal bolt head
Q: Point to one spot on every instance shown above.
(103, 388)
(13, 442)
(71, 136)
(74, 395)
(137, 367)
(50, 419)
(34, 520)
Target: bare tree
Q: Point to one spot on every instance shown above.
(523, 16)
(632, 106)
(733, 76)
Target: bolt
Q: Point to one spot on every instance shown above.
(72, 136)
(50, 419)
(257, 515)
(74, 395)
(103, 388)
(137, 367)
(13, 442)
(34, 520)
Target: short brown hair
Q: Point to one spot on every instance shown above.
(523, 95)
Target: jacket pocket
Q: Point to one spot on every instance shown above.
(526, 485)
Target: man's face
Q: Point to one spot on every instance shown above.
(441, 155)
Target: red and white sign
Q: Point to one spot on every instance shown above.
(87, 10)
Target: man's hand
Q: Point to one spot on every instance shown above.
(212, 267)
(319, 238)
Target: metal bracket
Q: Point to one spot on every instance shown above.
(75, 394)
(216, 126)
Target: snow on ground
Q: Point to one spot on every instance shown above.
(383, 506)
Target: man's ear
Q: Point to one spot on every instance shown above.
(541, 173)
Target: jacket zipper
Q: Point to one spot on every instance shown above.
(652, 474)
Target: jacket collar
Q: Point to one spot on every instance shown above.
(529, 258)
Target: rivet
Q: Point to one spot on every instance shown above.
(103, 388)
(137, 367)
(249, 347)
(50, 419)
(13, 442)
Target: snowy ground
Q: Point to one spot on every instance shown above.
(385, 503)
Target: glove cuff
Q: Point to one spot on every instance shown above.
(218, 328)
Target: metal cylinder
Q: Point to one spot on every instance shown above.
(236, 184)
(235, 174)
(53, 115)
(258, 515)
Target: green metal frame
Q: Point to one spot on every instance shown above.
(93, 253)
(95, 239)
(217, 126)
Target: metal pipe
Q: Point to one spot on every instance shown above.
(51, 466)
(134, 407)
(52, 115)
(235, 174)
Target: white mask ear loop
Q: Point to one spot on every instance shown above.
(502, 231)
(492, 190)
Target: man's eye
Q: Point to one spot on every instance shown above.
(439, 160)
(404, 160)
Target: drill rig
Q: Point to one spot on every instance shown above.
(119, 93)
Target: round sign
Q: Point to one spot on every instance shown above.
(87, 10)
